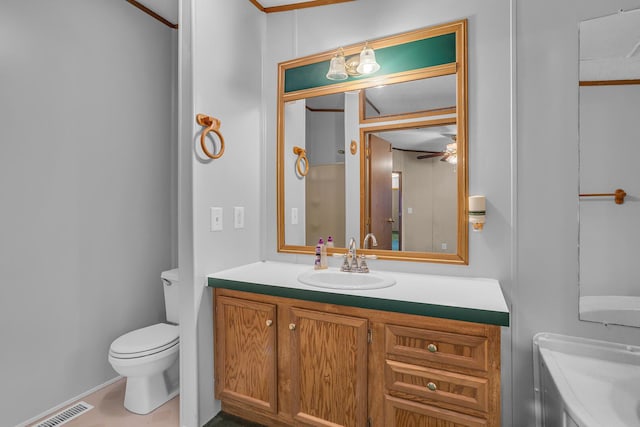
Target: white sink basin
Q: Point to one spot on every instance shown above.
(336, 279)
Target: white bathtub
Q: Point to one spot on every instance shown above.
(585, 383)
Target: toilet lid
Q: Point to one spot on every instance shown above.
(149, 340)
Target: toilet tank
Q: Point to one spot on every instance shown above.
(170, 281)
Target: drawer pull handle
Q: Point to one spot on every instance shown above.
(431, 386)
(432, 348)
(292, 326)
(269, 322)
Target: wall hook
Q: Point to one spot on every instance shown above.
(212, 125)
(302, 156)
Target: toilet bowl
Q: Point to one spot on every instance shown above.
(148, 357)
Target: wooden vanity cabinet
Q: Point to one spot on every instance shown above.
(318, 364)
(245, 353)
(328, 368)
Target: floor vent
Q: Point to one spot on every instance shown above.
(65, 416)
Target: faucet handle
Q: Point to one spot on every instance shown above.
(363, 267)
(345, 263)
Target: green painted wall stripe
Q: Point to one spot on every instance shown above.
(407, 307)
(414, 55)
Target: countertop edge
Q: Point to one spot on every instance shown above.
(408, 307)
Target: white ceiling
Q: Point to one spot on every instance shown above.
(417, 95)
(610, 47)
(432, 138)
(168, 9)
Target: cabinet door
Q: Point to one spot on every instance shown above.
(246, 364)
(328, 368)
(404, 413)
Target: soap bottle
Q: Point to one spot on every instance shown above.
(317, 264)
(329, 242)
(323, 254)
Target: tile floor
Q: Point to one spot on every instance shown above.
(109, 411)
(225, 420)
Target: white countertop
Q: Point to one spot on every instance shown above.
(432, 290)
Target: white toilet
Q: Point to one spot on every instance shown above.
(148, 357)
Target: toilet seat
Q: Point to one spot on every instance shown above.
(145, 341)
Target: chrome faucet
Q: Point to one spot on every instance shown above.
(374, 242)
(353, 266)
(350, 263)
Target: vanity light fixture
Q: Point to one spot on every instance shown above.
(368, 64)
(354, 66)
(337, 67)
(477, 212)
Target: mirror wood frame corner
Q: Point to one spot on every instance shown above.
(303, 70)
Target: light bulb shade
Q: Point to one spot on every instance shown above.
(337, 70)
(368, 62)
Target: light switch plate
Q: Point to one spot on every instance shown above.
(294, 216)
(216, 219)
(238, 217)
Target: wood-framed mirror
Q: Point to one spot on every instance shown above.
(416, 103)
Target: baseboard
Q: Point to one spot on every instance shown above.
(68, 402)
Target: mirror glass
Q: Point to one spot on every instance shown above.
(436, 95)
(609, 149)
(410, 188)
(386, 154)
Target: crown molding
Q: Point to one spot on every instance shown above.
(294, 6)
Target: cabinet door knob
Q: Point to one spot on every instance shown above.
(292, 326)
(431, 386)
(269, 322)
(432, 348)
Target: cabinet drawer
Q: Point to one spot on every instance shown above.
(426, 384)
(466, 351)
(400, 412)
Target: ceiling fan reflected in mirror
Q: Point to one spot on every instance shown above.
(450, 153)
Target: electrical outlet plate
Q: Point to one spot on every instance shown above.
(238, 217)
(216, 219)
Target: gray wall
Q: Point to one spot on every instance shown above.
(324, 137)
(85, 190)
(221, 54)
(546, 295)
